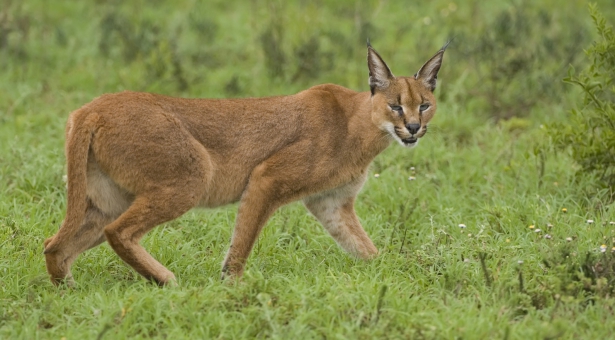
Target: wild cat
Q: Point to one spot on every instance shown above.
(136, 160)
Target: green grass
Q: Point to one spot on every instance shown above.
(496, 177)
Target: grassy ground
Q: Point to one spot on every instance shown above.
(527, 264)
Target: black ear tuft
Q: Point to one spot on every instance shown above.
(380, 75)
(446, 45)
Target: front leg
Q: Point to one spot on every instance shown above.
(335, 210)
(254, 211)
(257, 204)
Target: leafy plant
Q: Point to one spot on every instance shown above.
(590, 130)
(589, 275)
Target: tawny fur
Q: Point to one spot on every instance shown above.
(136, 160)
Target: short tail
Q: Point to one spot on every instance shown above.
(79, 132)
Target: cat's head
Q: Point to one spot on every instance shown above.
(403, 106)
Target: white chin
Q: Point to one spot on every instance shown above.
(404, 144)
(410, 145)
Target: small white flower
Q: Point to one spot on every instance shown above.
(461, 225)
(612, 223)
(376, 175)
(547, 236)
(412, 169)
(569, 239)
(549, 225)
(590, 221)
(411, 178)
(537, 230)
(603, 248)
(520, 262)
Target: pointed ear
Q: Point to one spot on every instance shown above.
(428, 73)
(380, 75)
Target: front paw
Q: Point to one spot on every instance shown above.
(371, 253)
(230, 274)
(367, 251)
(166, 280)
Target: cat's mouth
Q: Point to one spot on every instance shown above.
(410, 141)
(397, 132)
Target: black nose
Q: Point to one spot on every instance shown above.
(413, 128)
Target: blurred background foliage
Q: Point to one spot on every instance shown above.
(509, 56)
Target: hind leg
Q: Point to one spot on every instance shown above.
(146, 212)
(105, 202)
(90, 234)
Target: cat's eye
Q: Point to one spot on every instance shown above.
(397, 108)
(423, 107)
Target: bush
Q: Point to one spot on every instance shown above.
(590, 130)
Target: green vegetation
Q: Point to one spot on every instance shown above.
(590, 131)
(527, 264)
